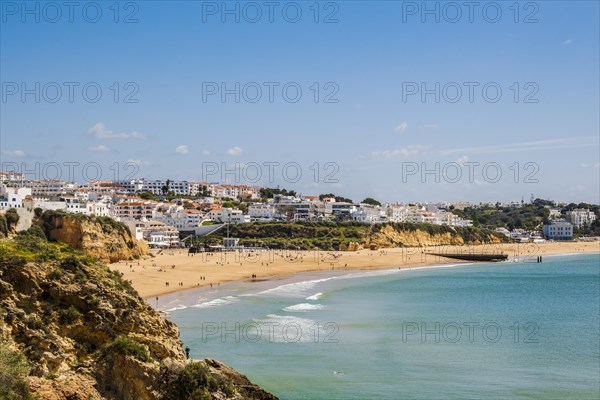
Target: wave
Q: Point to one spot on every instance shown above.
(286, 329)
(298, 289)
(176, 308)
(303, 307)
(217, 302)
(315, 296)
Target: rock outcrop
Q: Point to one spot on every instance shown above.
(100, 237)
(390, 235)
(86, 334)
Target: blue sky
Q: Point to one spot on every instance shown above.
(375, 140)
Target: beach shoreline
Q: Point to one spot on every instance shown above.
(174, 270)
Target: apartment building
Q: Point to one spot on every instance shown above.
(558, 230)
(581, 217)
(135, 210)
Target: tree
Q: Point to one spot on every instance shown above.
(340, 199)
(12, 218)
(268, 193)
(166, 187)
(148, 196)
(371, 201)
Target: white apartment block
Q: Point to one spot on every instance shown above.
(134, 210)
(230, 215)
(131, 186)
(198, 188)
(580, 217)
(558, 230)
(262, 211)
(180, 188)
(97, 208)
(396, 213)
(50, 188)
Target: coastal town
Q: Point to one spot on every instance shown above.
(163, 212)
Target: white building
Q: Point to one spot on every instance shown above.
(135, 210)
(131, 186)
(581, 217)
(156, 187)
(13, 197)
(558, 230)
(50, 188)
(11, 177)
(502, 231)
(201, 188)
(181, 219)
(156, 233)
(368, 214)
(262, 211)
(231, 215)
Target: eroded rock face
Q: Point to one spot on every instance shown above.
(88, 335)
(388, 236)
(101, 238)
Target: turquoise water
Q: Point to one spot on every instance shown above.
(496, 331)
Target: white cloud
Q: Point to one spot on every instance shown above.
(431, 126)
(462, 160)
(183, 149)
(412, 150)
(550, 144)
(402, 127)
(567, 42)
(235, 151)
(15, 153)
(100, 148)
(100, 131)
(139, 162)
(205, 153)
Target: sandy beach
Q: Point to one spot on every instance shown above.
(170, 271)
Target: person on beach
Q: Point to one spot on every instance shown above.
(187, 353)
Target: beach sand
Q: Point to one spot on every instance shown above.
(182, 271)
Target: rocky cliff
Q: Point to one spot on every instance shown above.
(353, 236)
(72, 329)
(100, 237)
(392, 235)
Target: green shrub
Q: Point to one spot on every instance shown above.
(69, 315)
(128, 346)
(34, 230)
(3, 225)
(12, 218)
(13, 372)
(194, 382)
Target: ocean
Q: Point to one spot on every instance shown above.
(495, 331)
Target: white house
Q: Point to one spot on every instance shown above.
(262, 211)
(181, 218)
(231, 215)
(368, 214)
(558, 230)
(12, 197)
(156, 233)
